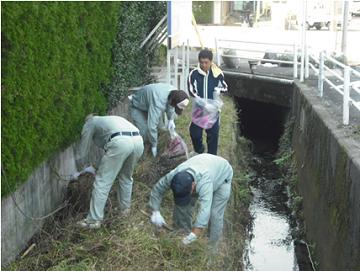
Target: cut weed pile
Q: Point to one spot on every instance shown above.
(133, 243)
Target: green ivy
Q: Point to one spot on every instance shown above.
(59, 63)
(131, 63)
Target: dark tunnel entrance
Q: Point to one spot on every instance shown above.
(262, 123)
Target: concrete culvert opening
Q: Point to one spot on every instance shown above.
(262, 123)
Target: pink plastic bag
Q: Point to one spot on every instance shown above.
(205, 112)
(177, 147)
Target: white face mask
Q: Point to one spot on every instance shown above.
(183, 104)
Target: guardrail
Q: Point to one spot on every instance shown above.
(315, 62)
(178, 76)
(276, 48)
(345, 88)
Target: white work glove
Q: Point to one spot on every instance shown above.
(154, 151)
(75, 176)
(219, 89)
(90, 170)
(189, 239)
(157, 219)
(171, 125)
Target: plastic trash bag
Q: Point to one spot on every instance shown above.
(206, 112)
(177, 146)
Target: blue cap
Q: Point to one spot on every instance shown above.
(181, 185)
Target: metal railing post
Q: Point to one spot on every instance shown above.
(295, 68)
(217, 52)
(303, 40)
(168, 64)
(187, 59)
(306, 62)
(346, 96)
(176, 83)
(302, 61)
(183, 79)
(321, 74)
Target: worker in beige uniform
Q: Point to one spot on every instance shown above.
(148, 104)
(123, 147)
(209, 176)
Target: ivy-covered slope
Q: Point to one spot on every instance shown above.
(60, 62)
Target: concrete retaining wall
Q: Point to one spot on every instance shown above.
(42, 193)
(261, 90)
(328, 163)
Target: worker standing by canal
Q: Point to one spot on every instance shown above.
(148, 104)
(209, 176)
(205, 84)
(123, 147)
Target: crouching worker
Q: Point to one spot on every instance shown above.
(123, 147)
(209, 177)
(149, 103)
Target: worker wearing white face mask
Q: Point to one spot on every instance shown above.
(149, 103)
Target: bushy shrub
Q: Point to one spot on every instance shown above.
(131, 63)
(59, 63)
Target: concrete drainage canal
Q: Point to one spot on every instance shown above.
(272, 239)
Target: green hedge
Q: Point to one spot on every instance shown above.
(131, 63)
(59, 62)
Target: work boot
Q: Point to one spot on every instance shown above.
(89, 224)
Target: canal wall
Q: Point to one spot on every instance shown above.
(328, 164)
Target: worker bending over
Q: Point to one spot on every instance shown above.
(148, 104)
(123, 147)
(209, 177)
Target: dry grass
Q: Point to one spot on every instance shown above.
(132, 243)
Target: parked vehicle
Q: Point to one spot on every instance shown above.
(355, 8)
(320, 21)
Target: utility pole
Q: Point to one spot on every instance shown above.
(257, 11)
(303, 39)
(344, 29)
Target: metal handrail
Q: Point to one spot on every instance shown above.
(342, 65)
(153, 31)
(344, 89)
(256, 51)
(356, 73)
(264, 59)
(260, 43)
(314, 68)
(334, 73)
